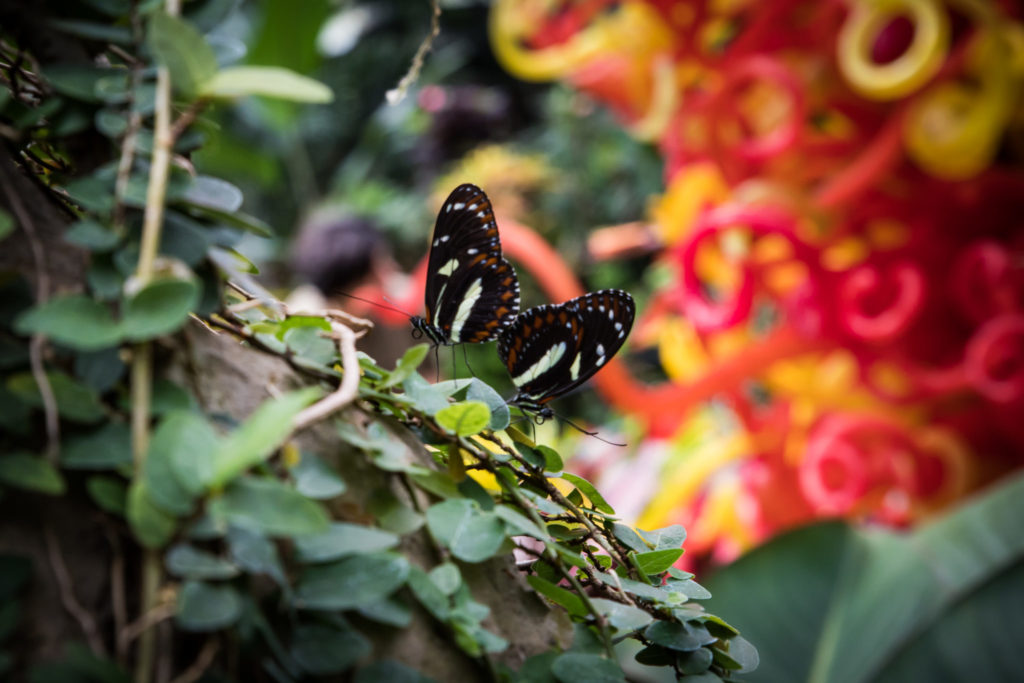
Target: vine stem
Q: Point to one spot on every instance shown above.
(142, 359)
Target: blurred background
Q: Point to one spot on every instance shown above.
(818, 206)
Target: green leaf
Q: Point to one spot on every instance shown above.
(191, 563)
(315, 479)
(32, 473)
(393, 611)
(75, 401)
(588, 490)
(183, 50)
(472, 534)
(696, 662)
(479, 391)
(259, 436)
(623, 618)
(390, 671)
(352, 582)
(268, 81)
(268, 506)
(92, 235)
(679, 637)
(433, 599)
(108, 493)
(91, 30)
(430, 398)
(520, 523)
(151, 525)
(573, 667)
(688, 588)
(213, 193)
(407, 364)
(663, 539)
(109, 447)
(342, 539)
(75, 321)
(293, 322)
(446, 577)
(255, 553)
(552, 460)
(184, 445)
(77, 81)
(159, 308)
(741, 657)
(322, 650)
(657, 561)
(465, 418)
(630, 537)
(6, 224)
(207, 607)
(558, 595)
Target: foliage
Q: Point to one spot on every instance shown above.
(935, 604)
(218, 509)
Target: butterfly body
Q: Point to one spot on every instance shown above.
(472, 292)
(552, 349)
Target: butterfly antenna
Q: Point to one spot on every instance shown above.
(584, 431)
(465, 357)
(378, 304)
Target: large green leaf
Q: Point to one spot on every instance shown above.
(31, 472)
(480, 391)
(151, 525)
(322, 650)
(108, 447)
(352, 582)
(207, 607)
(472, 534)
(192, 563)
(159, 308)
(75, 321)
(259, 436)
(830, 603)
(268, 81)
(407, 364)
(465, 418)
(75, 401)
(268, 506)
(180, 460)
(577, 667)
(342, 539)
(183, 50)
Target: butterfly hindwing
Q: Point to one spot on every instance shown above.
(472, 292)
(550, 350)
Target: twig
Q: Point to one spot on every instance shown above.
(38, 341)
(145, 622)
(346, 392)
(203, 661)
(397, 94)
(117, 592)
(67, 594)
(187, 117)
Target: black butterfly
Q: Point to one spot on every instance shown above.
(552, 349)
(472, 293)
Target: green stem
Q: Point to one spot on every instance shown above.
(142, 359)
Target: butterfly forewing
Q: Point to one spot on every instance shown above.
(472, 292)
(550, 350)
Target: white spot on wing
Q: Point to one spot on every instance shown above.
(611, 313)
(574, 371)
(448, 268)
(471, 251)
(546, 362)
(459, 206)
(465, 306)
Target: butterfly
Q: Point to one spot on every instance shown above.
(472, 292)
(552, 349)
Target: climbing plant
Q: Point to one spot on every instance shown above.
(297, 540)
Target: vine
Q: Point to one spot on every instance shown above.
(249, 537)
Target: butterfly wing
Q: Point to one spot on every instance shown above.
(550, 350)
(472, 292)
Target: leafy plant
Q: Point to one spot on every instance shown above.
(245, 533)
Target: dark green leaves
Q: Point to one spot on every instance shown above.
(268, 506)
(184, 52)
(657, 561)
(574, 667)
(352, 582)
(207, 607)
(32, 473)
(588, 490)
(342, 539)
(159, 308)
(472, 534)
(76, 321)
(322, 649)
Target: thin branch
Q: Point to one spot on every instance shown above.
(347, 390)
(67, 594)
(144, 623)
(397, 94)
(38, 342)
(203, 661)
(117, 591)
